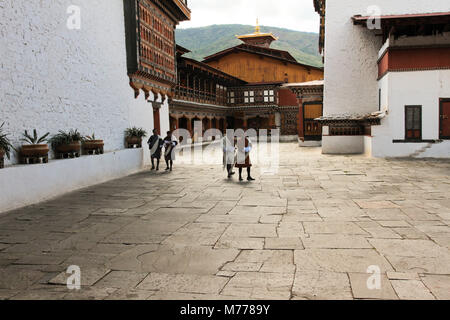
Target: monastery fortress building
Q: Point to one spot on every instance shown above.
(387, 81)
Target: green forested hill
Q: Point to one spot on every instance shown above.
(208, 40)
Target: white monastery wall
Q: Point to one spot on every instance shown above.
(351, 52)
(429, 87)
(343, 144)
(54, 78)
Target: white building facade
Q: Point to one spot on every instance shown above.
(387, 77)
(63, 65)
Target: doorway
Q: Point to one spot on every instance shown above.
(444, 119)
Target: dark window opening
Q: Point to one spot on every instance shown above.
(379, 99)
(413, 122)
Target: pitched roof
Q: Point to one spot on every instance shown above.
(182, 50)
(267, 52)
(206, 67)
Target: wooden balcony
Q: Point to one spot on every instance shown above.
(199, 96)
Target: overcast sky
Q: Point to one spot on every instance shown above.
(291, 14)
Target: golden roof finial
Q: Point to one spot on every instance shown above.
(257, 28)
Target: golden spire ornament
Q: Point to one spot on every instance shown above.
(257, 28)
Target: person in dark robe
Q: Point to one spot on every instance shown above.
(244, 146)
(169, 145)
(155, 143)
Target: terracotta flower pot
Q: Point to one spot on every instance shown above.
(2, 153)
(68, 148)
(131, 142)
(35, 150)
(134, 140)
(93, 144)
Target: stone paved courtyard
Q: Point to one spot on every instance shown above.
(309, 232)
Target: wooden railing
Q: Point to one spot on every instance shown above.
(200, 96)
(312, 128)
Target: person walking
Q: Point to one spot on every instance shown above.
(155, 143)
(169, 144)
(244, 146)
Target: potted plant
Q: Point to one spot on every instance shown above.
(133, 137)
(34, 148)
(5, 146)
(92, 146)
(66, 144)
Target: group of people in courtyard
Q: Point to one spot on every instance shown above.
(156, 145)
(236, 152)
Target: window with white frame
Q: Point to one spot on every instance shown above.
(231, 98)
(249, 96)
(269, 96)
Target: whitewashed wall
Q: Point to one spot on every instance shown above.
(343, 144)
(351, 52)
(53, 78)
(423, 88)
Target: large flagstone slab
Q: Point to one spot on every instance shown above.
(121, 279)
(253, 230)
(200, 260)
(361, 290)
(228, 218)
(411, 290)
(321, 285)
(240, 243)
(336, 241)
(262, 201)
(339, 260)
(197, 234)
(433, 265)
(88, 276)
(14, 279)
(153, 227)
(333, 227)
(258, 210)
(409, 248)
(439, 285)
(259, 285)
(128, 260)
(183, 283)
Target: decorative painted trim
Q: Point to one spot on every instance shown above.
(410, 59)
(412, 70)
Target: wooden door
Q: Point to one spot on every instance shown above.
(312, 129)
(156, 120)
(444, 127)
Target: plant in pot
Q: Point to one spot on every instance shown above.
(66, 144)
(35, 149)
(133, 137)
(5, 146)
(93, 146)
